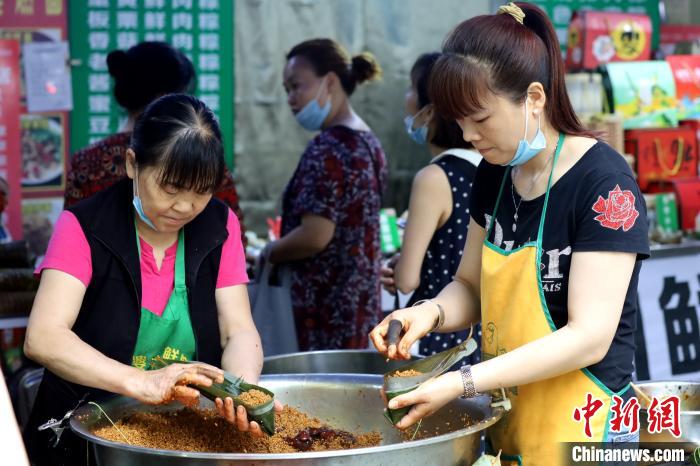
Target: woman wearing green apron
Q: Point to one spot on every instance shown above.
(152, 266)
(557, 234)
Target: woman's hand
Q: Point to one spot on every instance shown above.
(416, 322)
(428, 398)
(239, 417)
(170, 383)
(386, 276)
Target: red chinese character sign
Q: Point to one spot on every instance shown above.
(10, 156)
(586, 412)
(662, 414)
(665, 415)
(625, 416)
(24, 13)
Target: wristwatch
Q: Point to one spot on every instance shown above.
(467, 382)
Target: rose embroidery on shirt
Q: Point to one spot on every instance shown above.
(618, 210)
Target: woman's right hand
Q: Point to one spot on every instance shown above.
(416, 322)
(171, 383)
(238, 416)
(386, 274)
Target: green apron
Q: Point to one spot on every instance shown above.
(169, 335)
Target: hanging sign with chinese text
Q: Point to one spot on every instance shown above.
(10, 155)
(202, 29)
(669, 300)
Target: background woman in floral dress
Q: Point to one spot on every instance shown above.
(330, 224)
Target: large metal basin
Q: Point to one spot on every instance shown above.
(331, 362)
(689, 394)
(347, 401)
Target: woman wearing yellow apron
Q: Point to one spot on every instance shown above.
(556, 238)
(152, 266)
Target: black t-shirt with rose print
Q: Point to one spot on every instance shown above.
(595, 206)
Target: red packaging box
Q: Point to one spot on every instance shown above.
(662, 155)
(688, 198)
(686, 74)
(695, 126)
(678, 38)
(597, 37)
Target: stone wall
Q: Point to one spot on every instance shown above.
(269, 142)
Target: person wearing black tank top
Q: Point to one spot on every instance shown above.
(436, 229)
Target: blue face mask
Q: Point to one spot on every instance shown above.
(419, 135)
(527, 150)
(137, 203)
(312, 116)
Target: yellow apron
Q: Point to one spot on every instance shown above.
(514, 312)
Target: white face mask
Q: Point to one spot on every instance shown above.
(137, 202)
(312, 116)
(527, 150)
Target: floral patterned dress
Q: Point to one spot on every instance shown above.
(335, 293)
(100, 165)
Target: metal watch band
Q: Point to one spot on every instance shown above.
(467, 382)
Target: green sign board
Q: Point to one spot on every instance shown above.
(666, 213)
(560, 12)
(202, 29)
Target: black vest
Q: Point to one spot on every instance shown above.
(111, 311)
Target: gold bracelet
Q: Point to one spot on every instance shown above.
(441, 313)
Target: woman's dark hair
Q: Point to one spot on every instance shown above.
(445, 133)
(495, 53)
(326, 55)
(147, 71)
(180, 136)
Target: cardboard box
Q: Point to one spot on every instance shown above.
(643, 93)
(686, 73)
(676, 39)
(688, 196)
(663, 155)
(600, 37)
(612, 128)
(586, 93)
(695, 126)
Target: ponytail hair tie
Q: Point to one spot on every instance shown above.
(514, 10)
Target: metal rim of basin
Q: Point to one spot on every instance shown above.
(369, 380)
(305, 357)
(666, 385)
(321, 352)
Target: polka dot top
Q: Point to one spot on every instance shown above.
(445, 250)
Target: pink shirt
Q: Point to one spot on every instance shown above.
(69, 252)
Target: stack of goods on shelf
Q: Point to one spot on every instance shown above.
(17, 290)
(647, 109)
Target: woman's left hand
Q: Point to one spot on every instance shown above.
(428, 398)
(239, 417)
